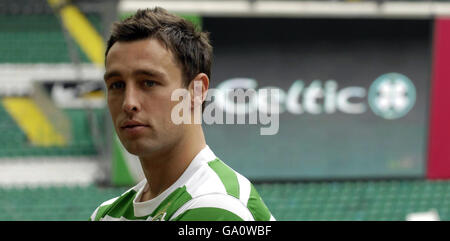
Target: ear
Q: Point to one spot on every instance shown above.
(198, 89)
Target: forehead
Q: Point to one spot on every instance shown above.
(147, 53)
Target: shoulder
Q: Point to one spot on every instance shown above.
(213, 207)
(222, 191)
(100, 210)
(103, 208)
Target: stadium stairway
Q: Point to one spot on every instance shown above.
(36, 38)
(33, 121)
(14, 141)
(25, 164)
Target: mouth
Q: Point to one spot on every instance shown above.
(129, 125)
(133, 126)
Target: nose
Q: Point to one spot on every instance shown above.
(131, 101)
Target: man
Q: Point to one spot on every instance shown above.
(148, 57)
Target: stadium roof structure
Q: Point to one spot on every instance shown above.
(286, 8)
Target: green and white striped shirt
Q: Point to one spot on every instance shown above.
(207, 190)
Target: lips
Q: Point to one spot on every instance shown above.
(132, 124)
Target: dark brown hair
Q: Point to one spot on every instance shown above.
(190, 46)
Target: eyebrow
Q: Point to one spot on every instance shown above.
(111, 74)
(153, 73)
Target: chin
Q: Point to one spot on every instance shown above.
(138, 148)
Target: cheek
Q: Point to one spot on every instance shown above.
(162, 103)
(114, 107)
(161, 110)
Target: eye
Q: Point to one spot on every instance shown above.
(149, 83)
(117, 85)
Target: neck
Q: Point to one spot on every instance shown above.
(165, 167)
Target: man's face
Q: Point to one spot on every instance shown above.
(140, 77)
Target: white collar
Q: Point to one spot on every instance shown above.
(145, 208)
